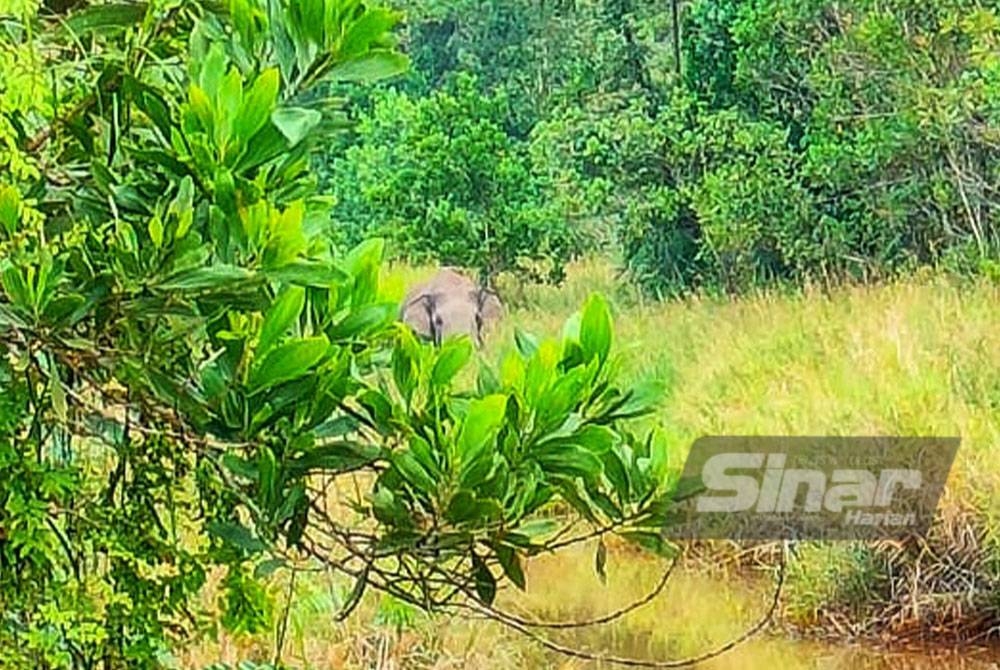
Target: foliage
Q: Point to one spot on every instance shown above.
(442, 179)
(890, 114)
(695, 197)
(541, 53)
(507, 65)
(188, 365)
(806, 141)
(875, 124)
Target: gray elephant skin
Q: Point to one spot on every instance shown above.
(450, 303)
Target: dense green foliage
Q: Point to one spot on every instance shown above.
(189, 365)
(801, 141)
(441, 178)
(442, 166)
(889, 112)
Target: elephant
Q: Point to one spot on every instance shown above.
(450, 303)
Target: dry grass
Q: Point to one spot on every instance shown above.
(914, 358)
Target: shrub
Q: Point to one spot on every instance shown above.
(891, 142)
(697, 198)
(441, 178)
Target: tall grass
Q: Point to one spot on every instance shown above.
(920, 357)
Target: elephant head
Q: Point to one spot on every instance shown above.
(450, 304)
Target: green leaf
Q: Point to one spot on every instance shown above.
(334, 458)
(10, 209)
(213, 69)
(481, 423)
(244, 16)
(182, 207)
(295, 123)
(257, 105)
(9, 319)
(240, 467)
(595, 328)
(452, 357)
(17, 289)
(283, 314)
(379, 407)
(106, 17)
(527, 344)
(267, 145)
(511, 564)
(640, 400)
(204, 278)
(389, 510)
(466, 507)
(538, 528)
(365, 257)
(267, 467)
(308, 18)
(487, 381)
(362, 321)
(312, 274)
(224, 188)
(236, 535)
(370, 28)
(569, 460)
(597, 439)
(155, 229)
(149, 100)
(414, 473)
(230, 101)
(370, 68)
(404, 364)
(289, 361)
(426, 455)
(202, 107)
(485, 582)
(603, 502)
(337, 426)
(614, 470)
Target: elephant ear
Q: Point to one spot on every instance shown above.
(490, 307)
(416, 313)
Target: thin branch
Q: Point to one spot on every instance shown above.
(597, 621)
(640, 663)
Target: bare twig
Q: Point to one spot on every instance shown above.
(641, 663)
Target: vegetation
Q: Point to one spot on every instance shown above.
(792, 142)
(441, 178)
(915, 357)
(189, 367)
(205, 397)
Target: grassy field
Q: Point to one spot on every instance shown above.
(921, 357)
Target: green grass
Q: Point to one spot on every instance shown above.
(920, 357)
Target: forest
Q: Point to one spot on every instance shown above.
(776, 143)
(220, 447)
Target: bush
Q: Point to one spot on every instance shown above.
(892, 144)
(697, 198)
(440, 177)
